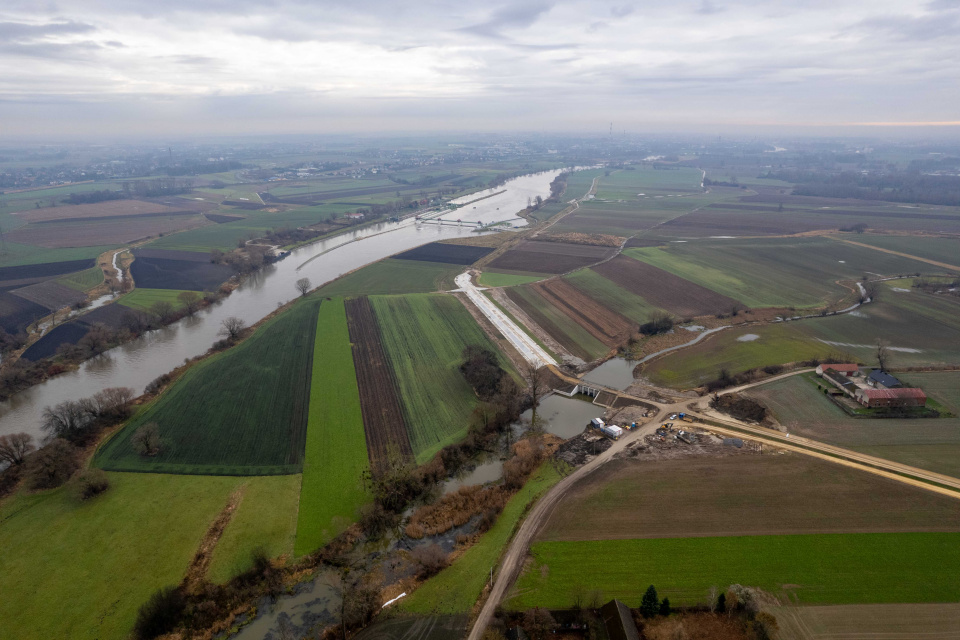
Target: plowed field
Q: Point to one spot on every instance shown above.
(606, 325)
(663, 289)
(108, 209)
(383, 420)
(550, 257)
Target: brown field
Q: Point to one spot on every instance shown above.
(60, 236)
(383, 420)
(746, 494)
(50, 294)
(606, 325)
(97, 210)
(663, 289)
(869, 622)
(732, 221)
(550, 257)
(593, 239)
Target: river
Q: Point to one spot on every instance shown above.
(138, 362)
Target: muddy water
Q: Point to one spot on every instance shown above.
(137, 363)
(615, 373)
(564, 417)
(488, 471)
(314, 605)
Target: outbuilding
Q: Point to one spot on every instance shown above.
(899, 398)
(879, 378)
(846, 369)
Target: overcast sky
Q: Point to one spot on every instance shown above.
(284, 66)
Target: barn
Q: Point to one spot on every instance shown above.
(899, 398)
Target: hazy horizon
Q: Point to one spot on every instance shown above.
(131, 68)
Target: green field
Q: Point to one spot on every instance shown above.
(143, 299)
(775, 272)
(848, 568)
(241, 412)
(499, 279)
(946, 250)
(424, 337)
(72, 569)
(612, 295)
(457, 588)
(83, 280)
(775, 344)
(394, 276)
(577, 340)
(266, 517)
(336, 451)
(15, 254)
(926, 443)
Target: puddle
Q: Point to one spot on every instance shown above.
(489, 471)
(615, 373)
(900, 289)
(748, 337)
(297, 615)
(565, 417)
(694, 327)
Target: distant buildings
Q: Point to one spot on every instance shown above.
(878, 389)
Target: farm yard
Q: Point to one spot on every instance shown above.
(532, 256)
(336, 448)
(384, 422)
(252, 402)
(931, 444)
(424, 336)
(836, 568)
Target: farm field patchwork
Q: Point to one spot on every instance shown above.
(611, 295)
(108, 209)
(181, 270)
(17, 254)
(745, 494)
(500, 279)
(383, 419)
(574, 338)
(941, 249)
(445, 253)
(869, 621)
(96, 232)
(737, 349)
(104, 551)
(251, 401)
(549, 257)
(83, 280)
(606, 325)
(775, 272)
(424, 337)
(663, 289)
(143, 299)
(17, 313)
(458, 587)
(844, 568)
(50, 294)
(394, 276)
(336, 448)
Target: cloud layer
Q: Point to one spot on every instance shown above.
(89, 66)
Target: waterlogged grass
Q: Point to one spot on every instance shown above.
(336, 451)
(143, 299)
(241, 412)
(813, 569)
(424, 337)
(457, 588)
(72, 569)
(395, 276)
(83, 280)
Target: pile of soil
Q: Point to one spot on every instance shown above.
(702, 444)
(582, 449)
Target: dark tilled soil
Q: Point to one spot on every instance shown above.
(445, 253)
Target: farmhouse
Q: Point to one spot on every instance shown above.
(845, 369)
(882, 380)
(354, 216)
(619, 621)
(891, 397)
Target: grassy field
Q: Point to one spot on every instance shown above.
(775, 344)
(496, 279)
(266, 517)
(143, 299)
(336, 450)
(849, 568)
(424, 337)
(554, 321)
(927, 443)
(251, 401)
(457, 588)
(746, 494)
(612, 295)
(395, 276)
(14, 254)
(94, 563)
(946, 250)
(775, 272)
(83, 280)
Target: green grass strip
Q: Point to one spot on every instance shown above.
(457, 588)
(849, 568)
(336, 451)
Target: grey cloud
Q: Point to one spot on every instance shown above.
(906, 27)
(510, 17)
(597, 26)
(621, 11)
(52, 50)
(24, 32)
(707, 8)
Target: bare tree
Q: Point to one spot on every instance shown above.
(15, 447)
(303, 286)
(146, 441)
(232, 327)
(883, 354)
(53, 465)
(536, 378)
(66, 420)
(539, 623)
(190, 301)
(870, 291)
(162, 309)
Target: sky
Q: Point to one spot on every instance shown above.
(119, 67)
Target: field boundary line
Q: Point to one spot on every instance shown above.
(942, 265)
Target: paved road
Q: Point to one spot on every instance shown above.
(524, 344)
